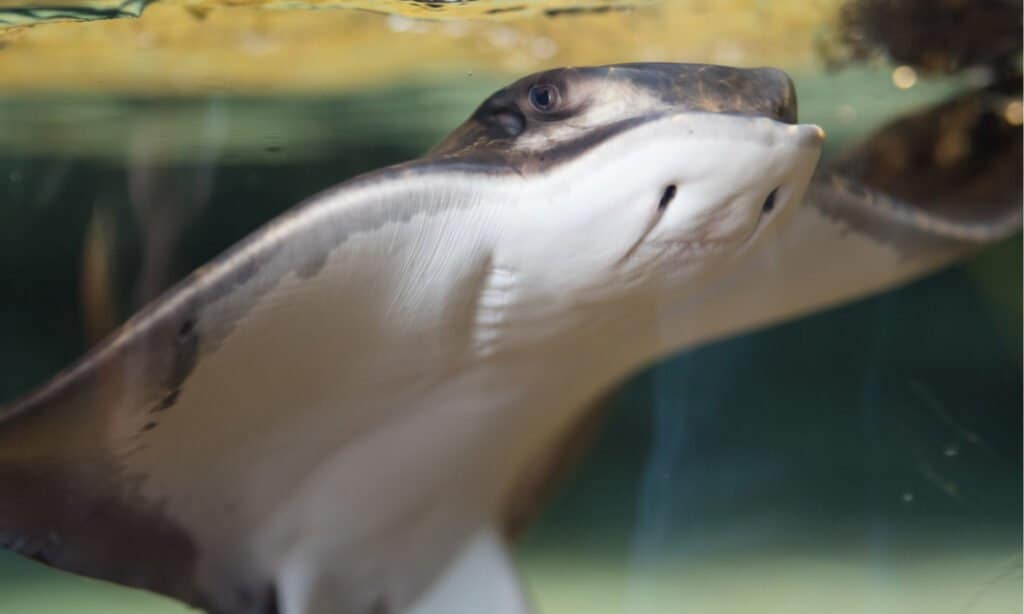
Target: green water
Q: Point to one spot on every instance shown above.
(862, 460)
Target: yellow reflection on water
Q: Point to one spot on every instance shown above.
(183, 46)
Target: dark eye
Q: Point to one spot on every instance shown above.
(543, 98)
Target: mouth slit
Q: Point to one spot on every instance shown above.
(769, 203)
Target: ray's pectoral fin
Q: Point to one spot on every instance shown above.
(951, 172)
(921, 192)
(482, 578)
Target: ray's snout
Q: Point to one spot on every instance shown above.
(779, 93)
(765, 92)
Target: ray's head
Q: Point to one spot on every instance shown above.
(652, 171)
(549, 116)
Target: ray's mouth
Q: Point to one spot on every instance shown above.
(669, 194)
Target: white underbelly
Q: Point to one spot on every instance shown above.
(383, 513)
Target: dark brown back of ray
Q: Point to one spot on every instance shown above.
(960, 161)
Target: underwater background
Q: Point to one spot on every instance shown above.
(864, 459)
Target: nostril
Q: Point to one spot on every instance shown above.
(769, 203)
(666, 197)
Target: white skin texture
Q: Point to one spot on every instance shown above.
(570, 269)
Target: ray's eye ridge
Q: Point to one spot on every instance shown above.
(543, 97)
(502, 120)
(509, 122)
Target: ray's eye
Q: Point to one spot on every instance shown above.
(544, 97)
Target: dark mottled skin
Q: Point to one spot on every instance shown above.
(958, 164)
(492, 134)
(64, 499)
(56, 515)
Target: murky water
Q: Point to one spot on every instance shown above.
(866, 459)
